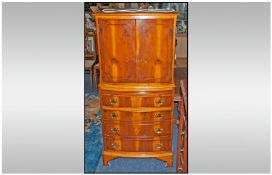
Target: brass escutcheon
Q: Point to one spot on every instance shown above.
(113, 101)
(159, 101)
(159, 146)
(114, 115)
(158, 130)
(115, 130)
(158, 115)
(115, 145)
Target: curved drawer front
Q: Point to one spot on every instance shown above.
(156, 144)
(137, 99)
(150, 116)
(128, 129)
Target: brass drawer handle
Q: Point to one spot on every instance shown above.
(158, 130)
(158, 115)
(114, 130)
(159, 146)
(115, 145)
(159, 101)
(113, 101)
(114, 115)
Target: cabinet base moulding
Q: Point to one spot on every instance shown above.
(167, 157)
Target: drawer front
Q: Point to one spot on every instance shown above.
(137, 99)
(137, 145)
(151, 116)
(127, 129)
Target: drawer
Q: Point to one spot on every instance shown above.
(137, 145)
(130, 129)
(137, 99)
(151, 116)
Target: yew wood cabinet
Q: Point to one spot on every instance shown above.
(136, 55)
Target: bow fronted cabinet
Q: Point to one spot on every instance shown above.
(136, 55)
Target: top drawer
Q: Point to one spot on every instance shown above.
(137, 99)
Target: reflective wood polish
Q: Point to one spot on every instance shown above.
(136, 55)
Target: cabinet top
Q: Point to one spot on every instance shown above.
(136, 12)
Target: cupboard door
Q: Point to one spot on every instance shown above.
(155, 50)
(117, 50)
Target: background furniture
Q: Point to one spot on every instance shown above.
(182, 150)
(89, 49)
(136, 58)
(181, 51)
(90, 52)
(96, 74)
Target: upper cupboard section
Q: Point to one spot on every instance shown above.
(117, 50)
(136, 50)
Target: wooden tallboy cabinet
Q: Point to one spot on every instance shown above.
(136, 55)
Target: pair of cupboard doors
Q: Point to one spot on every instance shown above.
(136, 50)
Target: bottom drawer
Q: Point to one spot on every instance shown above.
(155, 144)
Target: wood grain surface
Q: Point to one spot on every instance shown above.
(136, 55)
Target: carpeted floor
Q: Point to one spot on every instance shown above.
(93, 133)
(93, 145)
